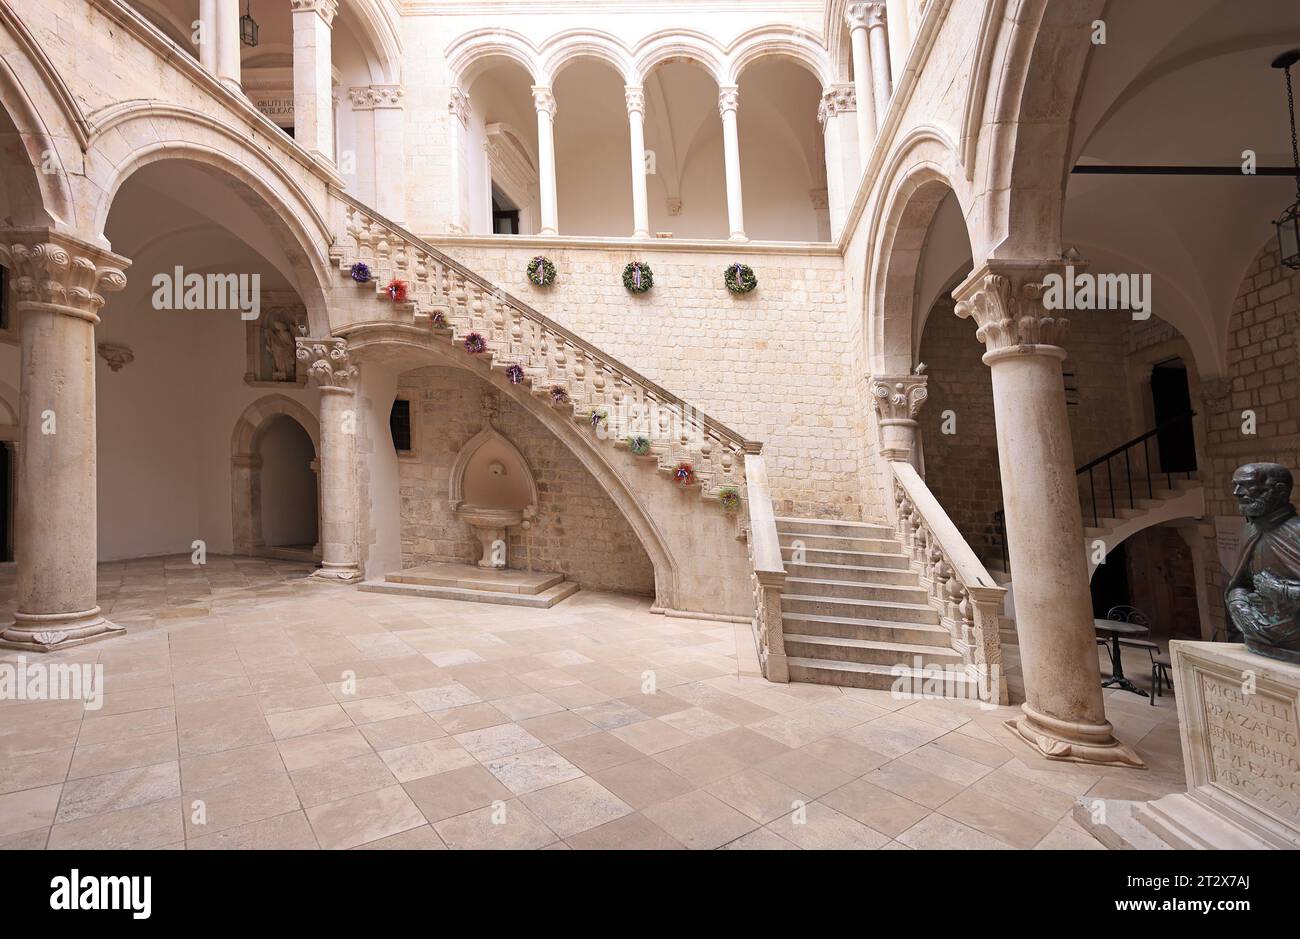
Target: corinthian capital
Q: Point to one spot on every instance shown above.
(728, 99)
(1005, 299)
(544, 99)
(635, 97)
(836, 99)
(898, 397)
(68, 274)
(875, 14)
(855, 15)
(328, 362)
(325, 9)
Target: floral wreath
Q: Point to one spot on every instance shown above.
(739, 278)
(729, 498)
(559, 395)
(541, 272)
(515, 373)
(638, 445)
(597, 416)
(637, 277)
(396, 290)
(360, 272)
(474, 343)
(684, 475)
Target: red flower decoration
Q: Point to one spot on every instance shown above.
(396, 291)
(684, 474)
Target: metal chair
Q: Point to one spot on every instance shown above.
(1160, 665)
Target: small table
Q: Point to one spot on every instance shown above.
(1117, 629)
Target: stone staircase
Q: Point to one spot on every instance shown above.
(442, 581)
(1180, 498)
(854, 612)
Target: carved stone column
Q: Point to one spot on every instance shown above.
(458, 144)
(390, 150)
(58, 283)
(897, 400)
(1064, 717)
(635, 97)
(838, 115)
(544, 102)
(728, 104)
(855, 16)
(329, 364)
(313, 114)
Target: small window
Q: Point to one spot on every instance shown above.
(399, 425)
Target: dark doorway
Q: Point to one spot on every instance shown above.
(1110, 583)
(6, 502)
(1171, 398)
(505, 217)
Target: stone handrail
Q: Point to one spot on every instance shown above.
(966, 596)
(768, 571)
(619, 403)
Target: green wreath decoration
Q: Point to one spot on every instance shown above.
(637, 277)
(541, 272)
(739, 278)
(638, 445)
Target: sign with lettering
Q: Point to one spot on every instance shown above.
(1254, 742)
(277, 105)
(1228, 530)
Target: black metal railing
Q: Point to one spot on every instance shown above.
(995, 537)
(1126, 483)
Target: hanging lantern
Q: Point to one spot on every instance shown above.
(1288, 226)
(248, 28)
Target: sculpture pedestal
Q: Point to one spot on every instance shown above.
(1239, 718)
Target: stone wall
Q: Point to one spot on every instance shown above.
(1261, 377)
(775, 365)
(578, 530)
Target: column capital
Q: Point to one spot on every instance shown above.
(544, 99)
(328, 362)
(60, 272)
(634, 95)
(325, 9)
(865, 15)
(1006, 301)
(458, 105)
(898, 397)
(369, 97)
(836, 99)
(728, 99)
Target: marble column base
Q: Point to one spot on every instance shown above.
(1072, 742)
(336, 575)
(56, 631)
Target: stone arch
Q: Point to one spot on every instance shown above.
(246, 465)
(1023, 162)
(918, 176)
(376, 31)
(668, 45)
(403, 348)
(265, 185)
(794, 45)
(36, 199)
(566, 47)
(470, 54)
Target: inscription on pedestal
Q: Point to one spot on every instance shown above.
(1254, 743)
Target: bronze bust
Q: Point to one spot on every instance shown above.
(1263, 593)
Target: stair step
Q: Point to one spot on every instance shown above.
(895, 559)
(540, 601)
(880, 677)
(868, 651)
(850, 572)
(855, 590)
(830, 526)
(470, 577)
(871, 630)
(860, 609)
(839, 543)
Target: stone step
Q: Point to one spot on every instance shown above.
(541, 601)
(853, 573)
(855, 590)
(830, 526)
(894, 559)
(839, 543)
(860, 609)
(870, 630)
(868, 651)
(880, 677)
(471, 577)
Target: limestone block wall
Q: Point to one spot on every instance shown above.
(775, 365)
(1261, 377)
(578, 532)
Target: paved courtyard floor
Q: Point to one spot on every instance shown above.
(249, 708)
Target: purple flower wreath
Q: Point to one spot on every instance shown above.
(360, 273)
(474, 344)
(515, 374)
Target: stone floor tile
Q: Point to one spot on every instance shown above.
(470, 717)
(285, 724)
(288, 832)
(699, 763)
(423, 838)
(501, 740)
(874, 807)
(39, 769)
(532, 770)
(238, 804)
(808, 774)
(144, 826)
(820, 827)
(592, 752)
(507, 826)
(301, 752)
(558, 727)
(938, 832)
(652, 736)
(455, 792)
(329, 782)
(632, 832)
(699, 820)
(575, 806)
(386, 708)
(642, 783)
(401, 731)
(760, 797)
(28, 809)
(427, 758)
(760, 839)
(1015, 826)
(97, 795)
(363, 818)
(913, 783)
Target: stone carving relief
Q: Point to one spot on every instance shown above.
(272, 343)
